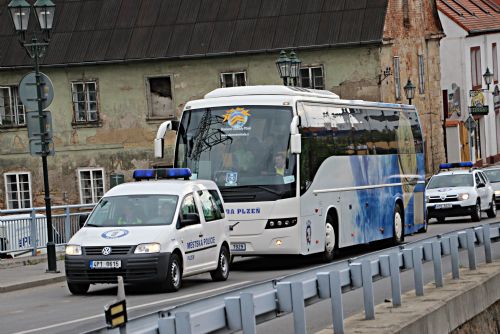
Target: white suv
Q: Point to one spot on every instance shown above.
(461, 192)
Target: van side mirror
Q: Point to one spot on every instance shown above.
(188, 219)
(481, 185)
(82, 219)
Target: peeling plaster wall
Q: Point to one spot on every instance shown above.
(420, 36)
(124, 139)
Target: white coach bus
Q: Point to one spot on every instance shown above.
(302, 171)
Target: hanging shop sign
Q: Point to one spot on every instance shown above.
(478, 104)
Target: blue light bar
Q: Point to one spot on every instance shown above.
(456, 165)
(162, 173)
(144, 174)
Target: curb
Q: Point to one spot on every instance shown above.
(31, 284)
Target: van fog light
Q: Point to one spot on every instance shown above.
(278, 242)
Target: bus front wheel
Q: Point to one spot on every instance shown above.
(330, 240)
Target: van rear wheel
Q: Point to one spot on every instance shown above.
(78, 288)
(222, 271)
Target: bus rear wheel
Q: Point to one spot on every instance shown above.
(399, 235)
(330, 240)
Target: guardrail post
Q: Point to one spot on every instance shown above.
(166, 325)
(67, 224)
(248, 313)
(462, 239)
(471, 249)
(384, 266)
(284, 291)
(454, 257)
(299, 310)
(336, 300)
(417, 271)
(233, 312)
(408, 258)
(33, 233)
(428, 251)
(183, 323)
(487, 243)
(438, 269)
(395, 279)
(323, 285)
(478, 232)
(445, 245)
(366, 273)
(355, 271)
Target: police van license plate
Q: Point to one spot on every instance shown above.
(444, 206)
(105, 264)
(239, 247)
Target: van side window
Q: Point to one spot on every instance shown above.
(218, 201)
(478, 179)
(188, 206)
(210, 209)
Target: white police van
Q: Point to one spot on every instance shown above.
(155, 231)
(459, 192)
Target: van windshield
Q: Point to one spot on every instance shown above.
(133, 211)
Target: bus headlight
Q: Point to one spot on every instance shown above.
(147, 248)
(463, 197)
(281, 222)
(73, 250)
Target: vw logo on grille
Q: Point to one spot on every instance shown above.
(443, 197)
(106, 251)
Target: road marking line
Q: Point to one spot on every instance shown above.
(130, 308)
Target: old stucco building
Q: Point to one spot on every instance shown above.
(119, 68)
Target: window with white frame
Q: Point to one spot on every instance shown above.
(233, 79)
(495, 62)
(159, 90)
(85, 104)
(421, 74)
(12, 111)
(18, 190)
(475, 63)
(312, 77)
(91, 182)
(397, 78)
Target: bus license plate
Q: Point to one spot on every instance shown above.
(239, 247)
(443, 206)
(114, 264)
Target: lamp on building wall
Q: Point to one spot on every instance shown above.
(20, 11)
(409, 91)
(288, 68)
(488, 77)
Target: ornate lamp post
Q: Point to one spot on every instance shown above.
(20, 13)
(288, 68)
(488, 77)
(409, 91)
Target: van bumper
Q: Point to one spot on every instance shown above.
(135, 268)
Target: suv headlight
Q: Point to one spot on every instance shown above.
(463, 197)
(497, 192)
(73, 250)
(147, 248)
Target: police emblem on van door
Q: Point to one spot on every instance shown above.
(114, 234)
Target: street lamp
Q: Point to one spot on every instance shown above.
(288, 68)
(488, 77)
(20, 13)
(409, 91)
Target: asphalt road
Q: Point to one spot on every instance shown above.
(52, 309)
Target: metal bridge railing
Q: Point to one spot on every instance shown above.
(242, 309)
(24, 231)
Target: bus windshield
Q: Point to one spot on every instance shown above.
(244, 149)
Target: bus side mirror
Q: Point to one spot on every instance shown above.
(159, 147)
(160, 135)
(296, 144)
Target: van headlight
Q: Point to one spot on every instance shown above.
(147, 248)
(497, 192)
(463, 197)
(73, 250)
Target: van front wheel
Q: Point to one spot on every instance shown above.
(78, 288)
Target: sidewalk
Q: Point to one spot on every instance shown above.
(27, 272)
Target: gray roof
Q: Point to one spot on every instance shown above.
(97, 31)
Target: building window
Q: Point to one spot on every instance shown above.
(85, 106)
(495, 62)
(397, 78)
(312, 77)
(233, 79)
(91, 182)
(159, 90)
(18, 190)
(12, 111)
(475, 63)
(421, 74)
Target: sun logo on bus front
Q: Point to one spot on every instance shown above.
(236, 117)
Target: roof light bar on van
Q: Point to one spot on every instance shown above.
(456, 165)
(162, 173)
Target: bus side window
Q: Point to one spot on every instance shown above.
(383, 125)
